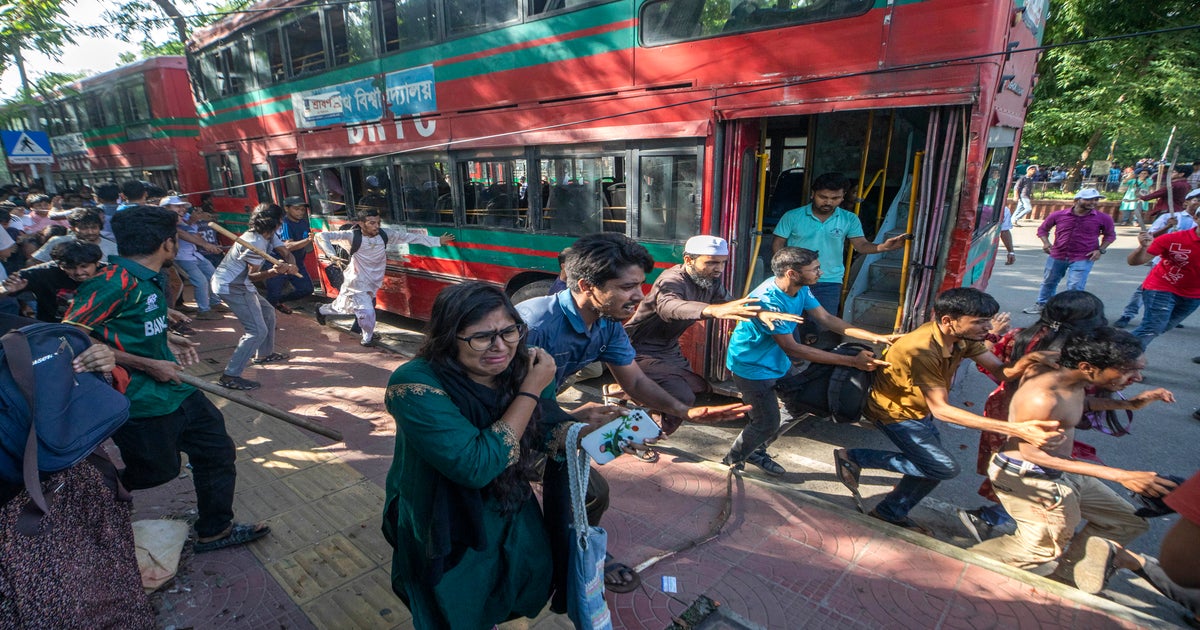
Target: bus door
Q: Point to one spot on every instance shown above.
(288, 180)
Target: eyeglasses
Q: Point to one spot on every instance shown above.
(484, 340)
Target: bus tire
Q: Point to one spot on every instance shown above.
(537, 288)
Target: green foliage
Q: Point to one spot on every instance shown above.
(142, 20)
(1132, 90)
(32, 25)
(150, 49)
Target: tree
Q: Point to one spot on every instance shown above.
(140, 19)
(1130, 90)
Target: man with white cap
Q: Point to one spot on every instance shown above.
(1082, 235)
(681, 296)
(1171, 290)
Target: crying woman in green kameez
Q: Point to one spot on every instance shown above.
(473, 411)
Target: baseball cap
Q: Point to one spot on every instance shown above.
(1089, 193)
(295, 200)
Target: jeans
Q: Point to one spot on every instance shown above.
(763, 397)
(1076, 273)
(150, 448)
(922, 461)
(199, 272)
(302, 287)
(1134, 306)
(257, 317)
(1024, 207)
(1164, 311)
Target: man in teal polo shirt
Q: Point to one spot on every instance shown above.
(823, 227)
(125, 307)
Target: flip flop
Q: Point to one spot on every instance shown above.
(239, 534)
(274, 357)
(618, 570)
(848, 473)
(650, 456)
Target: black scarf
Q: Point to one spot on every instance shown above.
(456, 519)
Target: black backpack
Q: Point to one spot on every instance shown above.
(832, 391)
(51, 418)
(341, 258)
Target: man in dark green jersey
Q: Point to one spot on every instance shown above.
(125, 307)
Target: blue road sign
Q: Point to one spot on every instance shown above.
(27, 147)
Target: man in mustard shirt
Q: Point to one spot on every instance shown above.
(914, 388)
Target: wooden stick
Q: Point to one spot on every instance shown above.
(237, 239)
(258, 405)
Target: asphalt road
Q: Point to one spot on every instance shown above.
(1165, 438)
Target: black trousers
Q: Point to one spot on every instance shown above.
(151, 447)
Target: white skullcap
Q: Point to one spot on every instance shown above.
(1089, 193)
(1192, 195)
(706, 246)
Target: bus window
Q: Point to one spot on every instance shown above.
(325, 191)
(469, 15)
(669, 203)
(408, 23)
(137, 108)
(268, 53)
(305, 46)
(262, 176)
(490, 193)
(225, 175)
(991, 190)
(578, 197)
(370, 187)
(424, 192)
(668, 21)
(350, 32)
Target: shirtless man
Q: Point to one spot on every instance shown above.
(1048, 492)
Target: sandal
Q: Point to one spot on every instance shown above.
(619, 577)
(649, 455)
(237, 534)
(848, 473)
(238, 383)
(274, 357)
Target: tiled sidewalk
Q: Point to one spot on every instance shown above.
(782, 559)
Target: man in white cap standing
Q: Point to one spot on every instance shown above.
(681, 296)
(1082, 235)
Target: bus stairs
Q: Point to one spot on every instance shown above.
(874, 297)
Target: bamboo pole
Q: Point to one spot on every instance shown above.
(241, 241)
(258, 405)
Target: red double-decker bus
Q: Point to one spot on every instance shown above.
(135, 122)
(519, 125)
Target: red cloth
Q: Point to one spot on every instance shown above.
(1178, 271)
(1186, 499)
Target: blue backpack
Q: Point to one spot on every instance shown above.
(51, 418)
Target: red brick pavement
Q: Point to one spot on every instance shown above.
(781, 561)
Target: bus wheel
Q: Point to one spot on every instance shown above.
(537, 288)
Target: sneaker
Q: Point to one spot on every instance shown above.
(209, 315)
(221, 307)
(762, 460)
(320, 316)
(979, 529)
(1122, 322)
(1036, 309)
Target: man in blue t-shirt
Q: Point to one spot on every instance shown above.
(581, 325)
(297, 237)
(760, 356)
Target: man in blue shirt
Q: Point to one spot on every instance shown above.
(760, 356)
(582, 325)
(823, 227)
(295, 234)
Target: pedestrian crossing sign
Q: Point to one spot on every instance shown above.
(27, 147)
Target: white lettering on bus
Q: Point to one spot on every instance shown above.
(156, 326)
(378, 133)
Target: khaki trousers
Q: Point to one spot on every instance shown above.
(1048, 512)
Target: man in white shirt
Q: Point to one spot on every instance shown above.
(368, 264)
(85, 225)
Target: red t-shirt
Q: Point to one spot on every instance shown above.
(1186, 499)
(1178, 271)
